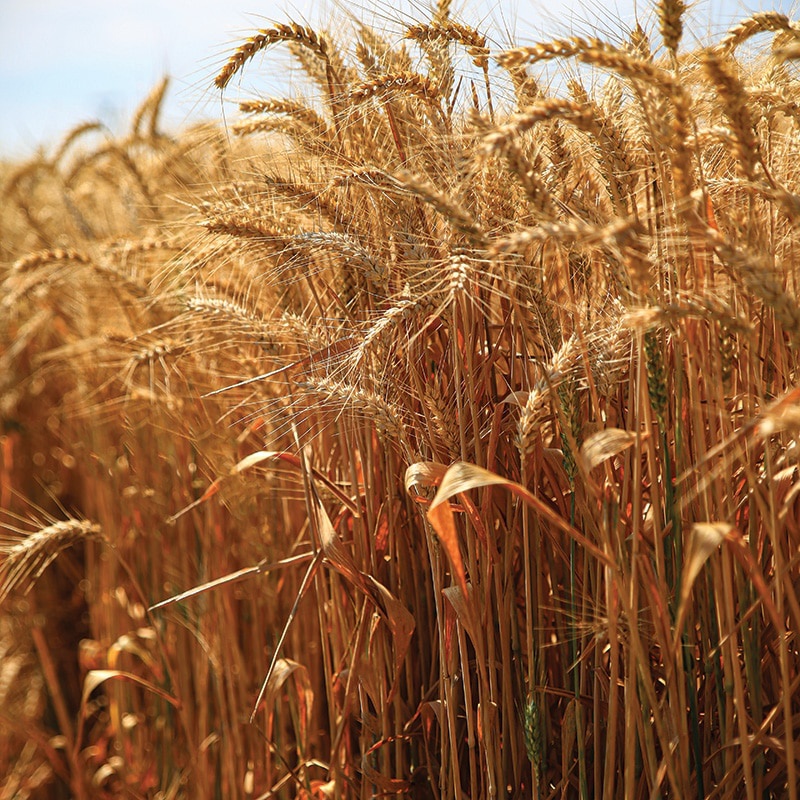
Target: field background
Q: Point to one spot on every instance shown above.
(430, 430)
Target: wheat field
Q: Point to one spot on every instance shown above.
(432, 431)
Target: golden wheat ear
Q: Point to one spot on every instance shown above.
(26, 557)
(300, 35)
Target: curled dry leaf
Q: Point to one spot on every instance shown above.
(605, 444)
(424, 474)
(706, 537)
(98, 676)
(254, 459)
(461, 477)
(283, 670)
(459, 606)
(401, 623)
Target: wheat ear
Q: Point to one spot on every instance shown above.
(293, 32)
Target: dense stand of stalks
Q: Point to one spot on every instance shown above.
(437, 436)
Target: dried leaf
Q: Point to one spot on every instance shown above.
(254, 459)
(424, 474)
(98, 676)
(461, 477)
(705, 539)
(460, 605)
(233, 577)
(283, 670)
(336, 553)
(443, 521)
(605, 444)
(401, 623)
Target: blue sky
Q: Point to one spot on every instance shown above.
(67, 61)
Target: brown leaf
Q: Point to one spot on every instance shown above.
(605, 444)
(401, 623)
(336, 553)
(424, 474)
(98, 676)
(443, 521)
(283, 670)
(460, 605)
(254, 459)
(705, 539)
(233, 577)
(461, 477)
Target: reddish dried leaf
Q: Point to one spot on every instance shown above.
(98, 676)
(283, 670)
(605, 444)
(461, 477)
(441, 517)
(401, 623)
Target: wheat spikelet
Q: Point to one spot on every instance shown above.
(50, 256)
(733, 99)
(533, 734)
(589, 51)
(387, 417)
(448, 208)
(530, 178)
(378, 55)
(316, 143)
(656, 376)
(243, 223)
(350, 249)
(300, 35)
(670, 23)
(25, 559)
(544, 51)
(775, 97)
(758, 278)
(681, 151)
(760, 22)
(441, 13)
(307, 199)
(611, 148)
(526, 89)
(564, 360)
(72, 136)
(571, 426)
(696, 306)
(441, 410)
(788, 51)
(241, 317)
(297, 111)
(540, 111)
(449, 31)
(608, 350)
(574, 232)
(376, 339)
(404, 182)
(150, 108)
(640, 43)
(405, 82)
